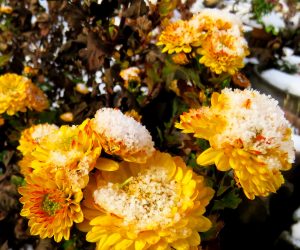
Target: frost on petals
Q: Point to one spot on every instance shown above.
(123, 136)
(254, 140)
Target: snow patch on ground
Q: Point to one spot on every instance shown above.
(283, 81)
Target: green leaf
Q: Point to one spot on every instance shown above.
(47, 117)
(191, 161)
(230, 200)
(17, 180)
(4, 59)
(202, 143)
(166, 6)
(5, 157)
(261, 7)
(189, 75)
(69, 245)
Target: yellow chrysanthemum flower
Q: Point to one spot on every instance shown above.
(123, 136)
(248, 133)
(177, 37)
(156, 205)
(210, 19)
(50, 204)
(18, 93)
(73, 148)
(32, 136)
(223, 51)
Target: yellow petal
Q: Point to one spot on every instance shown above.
(223, 163)
(208, 157)
(194, 239)
(180, 245)
(105, 164)
(110, 241)
(84, 226)
(214, 99)
(150, 237)
(95, 236)
(124, 244)
(139, 244)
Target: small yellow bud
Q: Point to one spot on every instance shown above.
(67, 117)
(81, 88)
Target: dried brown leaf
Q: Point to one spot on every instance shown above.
(240, 80)
(137, 8)
(94, 53)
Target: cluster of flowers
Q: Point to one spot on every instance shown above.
(248, 133)
(106, 176)
(18, 93)
(214, 34)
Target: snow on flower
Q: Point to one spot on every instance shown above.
(158, 205)
(123, 136)
(215, 34)
(248, 133)
(73, 148)
(32, 136)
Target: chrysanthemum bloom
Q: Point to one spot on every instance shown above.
(123, 136)
(73, 148)
(130, 74)
(156, 205)
(32, 136)
(224, 51)
(223, 46)
(50, 204)
(177, 37)
(210, 19)
(18, 93)
(248, 133)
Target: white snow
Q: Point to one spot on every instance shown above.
(197, 6)
(252, 60)
(117, 88)
(296, 139)
(102, 89)
(274, 19)
(282, 81)
(296, 234)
